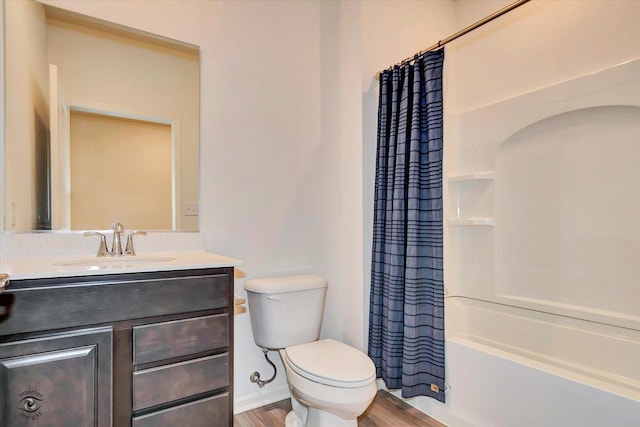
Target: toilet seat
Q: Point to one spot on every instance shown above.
(331, 363)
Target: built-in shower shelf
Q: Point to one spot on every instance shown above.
(480, 176)
(472, 221)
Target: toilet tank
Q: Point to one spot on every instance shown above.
(287, 310)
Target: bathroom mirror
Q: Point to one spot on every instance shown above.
(101, 124)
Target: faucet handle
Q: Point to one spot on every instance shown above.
(129, 249)
(102, 249)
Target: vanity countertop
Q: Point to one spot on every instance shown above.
(20, 268)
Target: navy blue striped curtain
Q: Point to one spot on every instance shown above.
(406, 328)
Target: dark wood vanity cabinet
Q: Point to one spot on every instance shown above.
(139, 349)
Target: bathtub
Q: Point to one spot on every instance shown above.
(541, 258)
(510, 367)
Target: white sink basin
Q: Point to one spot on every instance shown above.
(99, 263)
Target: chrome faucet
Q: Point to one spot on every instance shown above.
(116, 244)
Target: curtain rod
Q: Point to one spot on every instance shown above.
(462, 32)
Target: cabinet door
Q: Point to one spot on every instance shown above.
(57, 380)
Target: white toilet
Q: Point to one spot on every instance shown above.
(331, 383)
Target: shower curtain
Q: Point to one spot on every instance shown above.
(406, 320)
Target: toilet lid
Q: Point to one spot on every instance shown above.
(331, 362)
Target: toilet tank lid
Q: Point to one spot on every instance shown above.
(279, 284)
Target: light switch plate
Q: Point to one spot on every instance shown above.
(190, 209)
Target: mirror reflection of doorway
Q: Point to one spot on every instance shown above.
(109, 155)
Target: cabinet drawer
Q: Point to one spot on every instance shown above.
(177, 338)
(210, 412)
(82, 301)
(179, 380)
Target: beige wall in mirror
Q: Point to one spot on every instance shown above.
(60, 66)
(101, 174)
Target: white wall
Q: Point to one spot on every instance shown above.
(541, 43)
(267, 169)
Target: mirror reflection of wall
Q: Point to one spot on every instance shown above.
(26, 109)
(59, 64)
(120, 168)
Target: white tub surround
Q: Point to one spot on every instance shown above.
(542, 212)
(542, 314)
(68, 254)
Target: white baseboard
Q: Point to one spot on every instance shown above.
(260, 398)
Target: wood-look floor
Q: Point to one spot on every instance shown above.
(386, 410)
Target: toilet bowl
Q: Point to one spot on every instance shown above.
(334, 382)
(331, 383)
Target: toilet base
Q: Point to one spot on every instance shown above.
(292, 420)
(298, 415)
(318, 418)
(306, 416)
